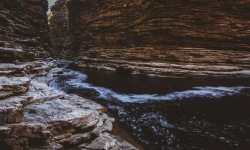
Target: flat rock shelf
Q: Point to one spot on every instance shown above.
(35, 116)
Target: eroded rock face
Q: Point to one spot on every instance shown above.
(59, 27)
(170, 61)
(13, 85)
(207, 38)
(23, 26)
(211, 24)
(33, 115)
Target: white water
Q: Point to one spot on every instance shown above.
(78, 80)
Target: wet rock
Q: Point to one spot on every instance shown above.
(123, 70)
(73, 66)
(56, 71)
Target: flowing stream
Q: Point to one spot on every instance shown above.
(169, 113)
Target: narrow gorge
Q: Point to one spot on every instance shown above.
(125, 74)
(33, 115)
(178, 38)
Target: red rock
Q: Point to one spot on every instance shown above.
(140, 35)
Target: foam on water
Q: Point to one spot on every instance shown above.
(78, 80)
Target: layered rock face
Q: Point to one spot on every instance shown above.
(33, 115)
(159, 37)
(24, 29)
(217, 24)
(59, 26)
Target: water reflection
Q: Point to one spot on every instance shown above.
(77, 80)
(192, 116)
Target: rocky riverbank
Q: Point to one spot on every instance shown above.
(175, 38)
(175, 62)
(34, 115)
(169, 113)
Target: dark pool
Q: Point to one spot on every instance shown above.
(167, 113)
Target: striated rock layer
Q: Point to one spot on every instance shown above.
(59, 26)
(193, 23)
(205, 37)
(33, 115)
(24, 27)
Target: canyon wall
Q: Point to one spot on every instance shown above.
(219, 24)
(24, 27)
(32, 114)
(166, 38)
(59, 26)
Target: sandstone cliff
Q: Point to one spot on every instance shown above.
(23, 26)
(33, 115)
(219, 24)
(168, 38)
(59, 26)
